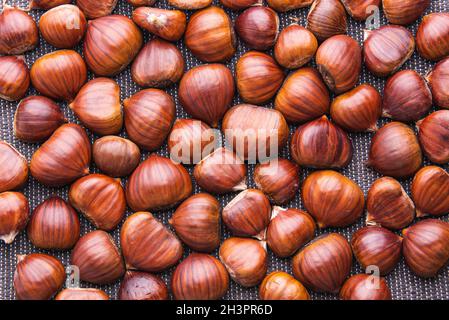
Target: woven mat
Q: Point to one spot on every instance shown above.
(404, 285)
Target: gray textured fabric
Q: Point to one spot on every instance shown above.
(404, 285)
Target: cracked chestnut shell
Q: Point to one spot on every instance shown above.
(14, 212)
(14, 78)
(404, 12)
(82, 294)
(438, 80)
(365, 287)
(142, 286)
(13, 168)
(279, 285)
(432, 38)
(433, 133)
(327, 18)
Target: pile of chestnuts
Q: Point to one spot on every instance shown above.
(119, 181)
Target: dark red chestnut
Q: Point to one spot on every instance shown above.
(438, 80)
(432, 38)
(433, 132)
(365, 287)
(327, 18)
(142, 286)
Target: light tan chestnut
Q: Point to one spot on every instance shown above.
(100, 198)
(167, 24)
(78, 294)
(404, 12)
(327, 18)
(365, 287)
(14, 212)
(189, 4)
(287, 5)
(14, 78)
(432, 38)
(279, 285)
(96, 9)
(438, 80)
(142, 286)
(432, 133)
(148, 245)
(361, 9)
(13, 166)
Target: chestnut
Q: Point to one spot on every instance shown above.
(303, 96)
(278, 179)
(98, 107)
(13, 168)
(116, 156)
(95, 9)
(388, 204)
(59, 74)
(258, 77)
(142, 286)
(167, 24)
(38, 276)
(406, 97)
(14, 78)
(426, 247)
(36, 118)
(327, 18)
(139, 3)
(157, 183)
(258, 26)
(197, 222)
(365, 287)
(405, 11)
(377, 246)
(358, 109)
(206, 92)
(100, 198)
(289, 230)
(287, 5)
(239, 4)
(149, 116)
(46, 4)
(63, 158)
(248, 214)
(360, 9)
(432, 37)
(220, 172)
(321, 144)
(14, 212)
(200, 277)
(109, 55)
(438, 81)
(386, 49)
(82, 294)
(324, 264)
(432, 133)
(159, 64)
(210, 35)
(190, 4)
(395, 151)
(332, 199)
(279, 285)
(54, 224)
(148, 245)
(234, 254)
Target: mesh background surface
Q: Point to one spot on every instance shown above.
(404, 285)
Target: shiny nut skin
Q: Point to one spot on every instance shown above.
(404, 12)
(239, 4)
(359, 9)
(332, 199)
(433, 132)
(200, 277)
(327, 18)
(96, 9)
(82, 294)
(324, 264)
(364, 287)
(142, 286)
(13, 168)
(148, 245)
(14, 212)
(98, 258)
(14, 78)
(432, 38)
(438, 81)
(189, 5)
(376, 246)
(289, 230)
(287, 5)
(279, 285)
(139, 3)
(47, 4)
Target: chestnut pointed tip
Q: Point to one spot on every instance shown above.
(262, 236)
(420, 214)
(366, 34)
(385, 114)
(276, 210)
(321, 225)
(20, 257)
(374, 128)
(9, 238)
(241, 186)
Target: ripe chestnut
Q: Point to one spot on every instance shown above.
(46, 4)
(365, 287)
(139, 3)
(405, 11)
(13, 168)
(327, 18)
(438, 81)
(279, 285)
(82, 294)
(239, 4)
(142, 286)
(96, 9)
(190, 4)
(14, 212)
(287, 5)
(432, 38)
(360, 9)
(14, 78)
(432, 133)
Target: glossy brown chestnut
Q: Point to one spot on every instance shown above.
(101, 199)
(13, 168)
(116, 156)
(200, 277)
(206, 92)
(426, 247)
(139, 3)
(95, 9)
(239, 4)
(14, 212)
(324, 264)
(258, 77)
(36, 119)
(221, 172)
(197, 222)
(377, 247)
(287, 5)
(157, 183)
(433, 132)
(98, 258)
(388, 204)
(189, 4)
(46, 4)
(159, 64)
(295, 46)
(82, 294)
(63, 26)
(438, 81)
(38, 276)
(406, 97)
(149, 116)
(321, 144)
(248, 214)
(332, 199)
(279, 285)
(432, 38)
(210, 35)
(303, 96)
(142, 286)
(327, 18)
(148, 245)
(14, 78)
(59, 74)
(108, 56)
(19, 31)
(234, 253)
(430, 188)
(365, 287)
(63, 158)
(395, 151)
(54, 224)
(386, 49)
(278, 179)
(167, 24)
(405, 11)
(358, 109)
(258, 27)
(289, 230)
(360, 9)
